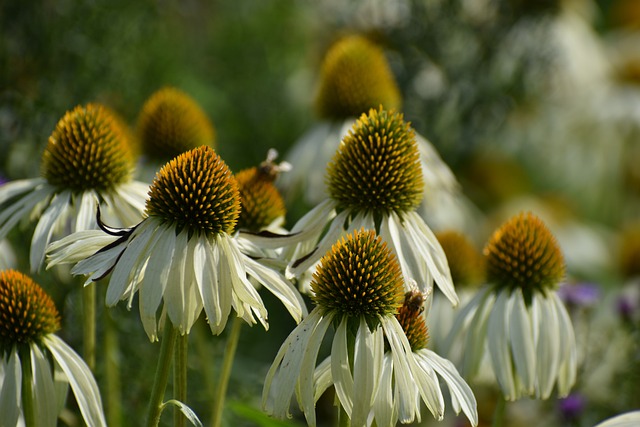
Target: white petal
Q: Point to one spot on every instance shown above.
(216, 297)
(522, 344)
(21, 186)
(428, 386)
(341, 367)
(44, 229)
(12, 214)
(81, 380)
(44, 397)
(11, 389)
(364, 374)
(77, 246)
(133, 255)
(385, 407)
(568, 366)
(174, 293)
(156, 277)
(630, 419)
(498, 342)
(548, 345)
(278, 286)
(88, 209)
(281, 379)
(322, 378)
(405, 385)
(306, 389)
(232, 271)
(460, 391)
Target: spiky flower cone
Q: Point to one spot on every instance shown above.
(466, 263)
(261, 201)
(355, 77)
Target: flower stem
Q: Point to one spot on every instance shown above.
(28, 404)
(180, 378)
(498, 413)
(112, 371)
(89, 325)
(225, 372)
(162, 374)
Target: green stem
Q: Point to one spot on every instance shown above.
(89, 325)
(225, 373)
(180, 378)
(498, 413)
(162, 374)
(343, 417)
(28, 404)
(112, 371)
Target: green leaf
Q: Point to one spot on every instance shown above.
(261, 419)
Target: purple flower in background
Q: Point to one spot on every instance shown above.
(3, 180)
(579, 294)
(571, 407)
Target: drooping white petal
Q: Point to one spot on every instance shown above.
(81, 380)
(87, 210)
(174, 293)
(306, 390)
(281, 379)
(133, 255)
(568, 364)
(216, 297)
(278, 286)
(406, 388)
(232, 272)
(547, 358)
(427, 247)
(156, 277)
(44, 229)
(365, 373)
(44, 397)
(11, 388)
(322, 378)
(12, 189)
(385, 407)
(498, 343)
(341, 367)
(522, 344)
(461, 393)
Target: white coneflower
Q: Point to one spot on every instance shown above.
(182, 253)
(355, 76)
(357, 287)
(374, 181)
(36, 366)
(518, 317)
(87, 164)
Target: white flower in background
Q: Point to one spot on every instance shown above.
(374, 182)
(36, 366)
(630, 419)
(356, 77)
(358, 288)
(518, 318)
(182, 253)
(88, 163)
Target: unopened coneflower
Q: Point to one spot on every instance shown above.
(87, 163)
(518, 316)
(262, 206)
(182, 253)
(37, 366)
(171, 122)
(374, 181)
